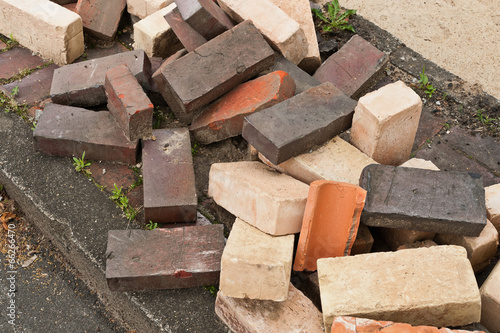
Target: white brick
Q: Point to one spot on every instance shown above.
(143, 8)
(259, 195)
(427, 286)
(490, 298)
(492, 194)
(256, 265)
(419, 164)
(385, 123)
(44, 27)
(283, 33)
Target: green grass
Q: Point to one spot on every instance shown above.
(335, 18)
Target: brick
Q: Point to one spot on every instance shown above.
(168, 173)
(300, 11)
(208, 19)
(395, 237)
(330, 224)
(71, 6)
(336, 160)
(309, 285)
(97, 52)
(2, 45)
(101, 18)
(224, 118)
(128, 103)
(364, 241)
(159, 81)
(385, 122)
(479, 249)
(69, 131)
(346, 324)
(426, 200)
(283, 33)
(17, 59)
(420, 164)
(216, 67)
(256, 265)
(144, 8)
(155, 36)
(417, 244)
(189, 37)
(279, 141)
(266, 199)
(490, 300)
(164, 258)
(492, 194)
(82, 84)
(354, 68)
(44, 27)
(296, 314)
(428, 286)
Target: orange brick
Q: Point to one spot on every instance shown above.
(224, 118)
(330, 223)
(101, 18)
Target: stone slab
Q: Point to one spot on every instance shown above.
(428, 286)
(280, 140)
(490, 300)
(425, 200)
(82, 84)
(144, 8)
(69, 131)
(164, 258)
(189, 37)
(169, 181)
(17, 59)
(492, 195)
(101, 18)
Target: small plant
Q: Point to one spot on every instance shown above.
(212, 290)
(424, 84)
(195, 148)
(151, 225)
(335, 19)
(486, 120)
(122, 202)
(9, 102)
(81, 166)
(12, 40)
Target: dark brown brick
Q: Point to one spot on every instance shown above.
(101, 18)
(98, 52)
(15, 60)
(82, 84)
(189, 38)
(214, 68)
(164, 258)
(168, 173)
(445, 202)
(158, 79)
(312, 118)
(69, 131)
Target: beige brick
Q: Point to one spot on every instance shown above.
(432, 286)
(144, 8)
(296, 314)
(479, 249)
(259, 195)
(155, 36)
(490, 298)
(420, 164)
(283, 33)
(44, 27)
(395, 238)
(492, 194)
(385, 122)
(256, 265)
(337, 160)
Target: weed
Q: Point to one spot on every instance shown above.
(151, 225)
(424, 84)
(158, 118)
(139, 180)
(335, 19)
(486, 120)
(1, 187)
(195, 148)
(81, 166)
(446, 126)
(122, 202)
(212, 290)
(9, 103)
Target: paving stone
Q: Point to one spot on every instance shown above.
(479, 249)
(164, 258)
(420, 164)
(283, 33)
(428, 127)
(43, 27)
(280, 140)
(256, 265)
(128, 103)
(354, 68)
(490, 300)
(108, 174)
(428, 286)
(426, 200)
(34, 87)
(69, 131)
(189, 37)
(168, 173)
(395, 237)
(144, 8)
(364, 241)
(492, 194)
(155, 36)
(260, 196)
(82, 84)
(101, 18)
(17, 59)
(208, 19)
(235, 56)
(385, 122)
(296, 314)
(336, 160)
(224, 118)
(330, 224)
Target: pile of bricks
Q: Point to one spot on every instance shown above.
(306, 200)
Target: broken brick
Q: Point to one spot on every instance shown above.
(101, 18)
(189, 37)
(490, 300)
(396, 238)
(158, 79)
(492, 195)
(144, 8)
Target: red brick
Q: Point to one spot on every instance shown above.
(128, 103)
(71, 6)
(330, 223)
(168, 173)
(2, 45)
(108, 174)
(17, 59)
(164, 258)
(216, 67)
(69, 131)
(189, 37)
(224, 118)
(159, 81)
(354, 68)
(100, 18)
